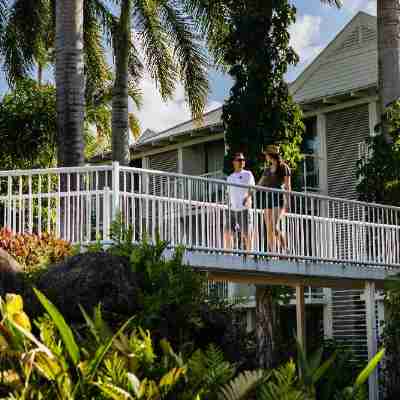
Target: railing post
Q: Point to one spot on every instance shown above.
(9, 202)
(115, 190)
(106, 213)
(371, 337)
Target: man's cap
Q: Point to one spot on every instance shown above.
(238, 157)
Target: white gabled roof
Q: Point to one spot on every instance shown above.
(211, 118)
(348, 63)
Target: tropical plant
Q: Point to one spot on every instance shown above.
(379, 170)
(28, 41)
(33, 251)
(312, 369)
(391, 339)
(171, 52)
(27, 126)
(283, 385)
(97, 362)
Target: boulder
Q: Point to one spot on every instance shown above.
(9, 269)
(8, 263)
(87, 280)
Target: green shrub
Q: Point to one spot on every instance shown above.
(98, 362)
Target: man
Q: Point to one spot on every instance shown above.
(239, 218)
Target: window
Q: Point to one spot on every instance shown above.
(310, 148)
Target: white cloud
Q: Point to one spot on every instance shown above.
(156, 114)
(305, 37)
(354, 6)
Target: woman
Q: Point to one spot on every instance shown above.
(277, 175)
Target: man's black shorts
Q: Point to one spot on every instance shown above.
(239, 221)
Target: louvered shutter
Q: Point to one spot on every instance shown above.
(167, 162)
(345, 129)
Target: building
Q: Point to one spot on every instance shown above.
(338, 95)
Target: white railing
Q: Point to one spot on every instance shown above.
(78, 204)
(214, 175)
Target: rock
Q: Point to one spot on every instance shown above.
(8, 263)
(9, 269)
(87, 280)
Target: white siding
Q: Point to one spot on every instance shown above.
(341, 75)
(349, 63)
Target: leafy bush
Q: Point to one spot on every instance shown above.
(98, 363)
(391, 339)
(379, 172)
(32, 250)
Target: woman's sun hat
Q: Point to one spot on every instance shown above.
(271, 149)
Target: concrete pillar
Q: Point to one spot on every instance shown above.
(371, 337)
(301, 316)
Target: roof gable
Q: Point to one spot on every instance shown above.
(211, 118)
(347, 63)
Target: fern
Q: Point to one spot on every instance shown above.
(243, 386)
(282, 385)
(209, 371)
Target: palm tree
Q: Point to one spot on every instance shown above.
(171, 52)
(388, 12)
(70, 82)
(27, 33)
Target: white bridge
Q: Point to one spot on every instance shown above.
(332, 242)
(79, 205)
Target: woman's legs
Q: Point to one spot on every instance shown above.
(276, 239)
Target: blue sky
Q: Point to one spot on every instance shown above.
(316, 26)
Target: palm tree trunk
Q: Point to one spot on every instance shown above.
(70, 82)
(267, 327)
(120, 116)
(40, 73)
(388, 52)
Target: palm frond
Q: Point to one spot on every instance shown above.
(191, 61)
(157, 51)
(134, 125)
(243, 385)
(212, 22)
(104, 16)
(135, 65)
(135, 94)
(24, 32)
(336, 3)
(98, 73)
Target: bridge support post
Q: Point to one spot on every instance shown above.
(301, 316)
(371, 337)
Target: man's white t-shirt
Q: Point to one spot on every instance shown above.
(238, 194)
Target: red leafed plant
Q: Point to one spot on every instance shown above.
(33, 250)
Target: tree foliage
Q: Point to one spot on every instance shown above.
(27, 126)
(379, 170)
(260, 110)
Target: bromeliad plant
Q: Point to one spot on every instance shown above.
(59, 363)
(32, 250)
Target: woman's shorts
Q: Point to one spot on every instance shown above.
(270, 200)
